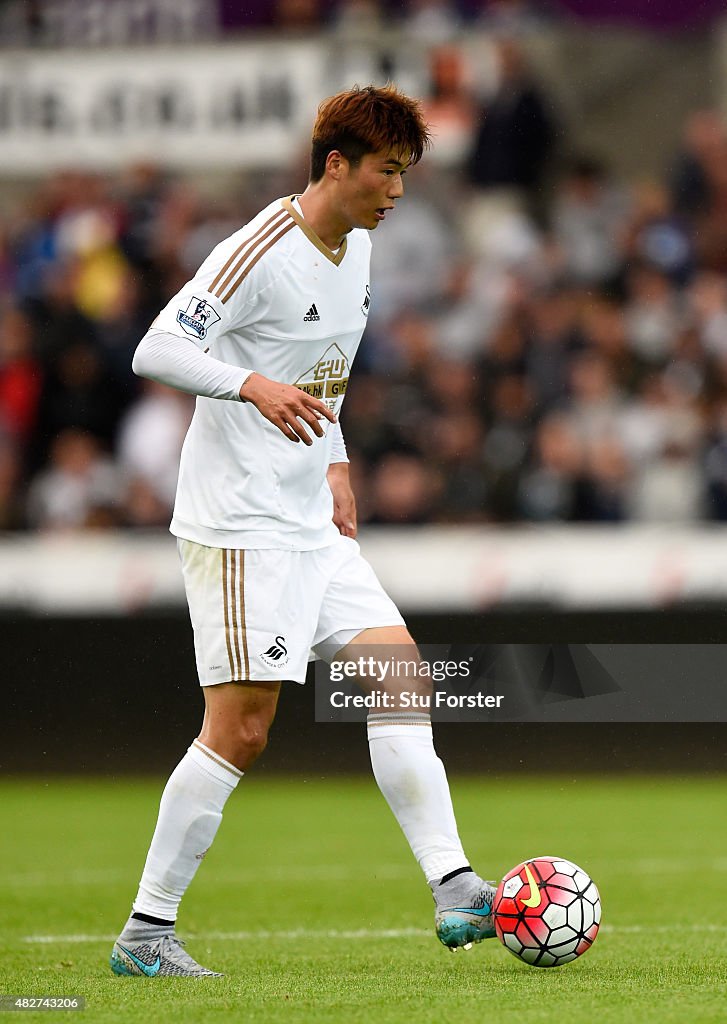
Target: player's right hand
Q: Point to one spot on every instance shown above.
(286, 406)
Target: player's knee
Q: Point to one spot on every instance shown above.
(251, 738)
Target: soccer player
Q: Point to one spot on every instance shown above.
(265, 335)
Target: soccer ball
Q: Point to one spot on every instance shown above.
(547, 911)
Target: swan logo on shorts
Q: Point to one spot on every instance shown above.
(277, 654)
(197, 318)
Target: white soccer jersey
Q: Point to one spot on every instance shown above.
(272, 298)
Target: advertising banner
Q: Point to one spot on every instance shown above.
(185, 107)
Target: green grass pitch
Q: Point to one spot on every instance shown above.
(311, 904)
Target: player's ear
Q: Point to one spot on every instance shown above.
(336, 164)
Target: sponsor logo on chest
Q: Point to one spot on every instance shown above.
(328, 378)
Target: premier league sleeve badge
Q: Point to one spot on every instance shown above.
(197, 318)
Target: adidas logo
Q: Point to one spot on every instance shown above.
(312, 314)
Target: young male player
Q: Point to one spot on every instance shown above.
(265, 335)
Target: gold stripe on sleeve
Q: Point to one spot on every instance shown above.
(251, 245)
(239, 249)
(276, 238)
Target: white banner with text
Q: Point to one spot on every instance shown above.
(189, 107)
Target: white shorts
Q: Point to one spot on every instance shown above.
(258, 614)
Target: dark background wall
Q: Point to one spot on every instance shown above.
(120, 696)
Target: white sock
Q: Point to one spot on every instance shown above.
(413, 781)
(190, 813)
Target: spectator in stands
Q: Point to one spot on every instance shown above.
(150, 442)
(595, 405)
(56, 318)
(298, 15)
(123, 320)
(669, 489)
(512, 18)
(410, 272)
(432, 23)
(698, 164)
(479, 297)
(513, 141)
(551, 328)
(78, 392)
(551, 488)
(454, 446)
(366, 419)
(654, 315)
(602, 329)
(404, 490)
(715, 463)
(644, 427)
(605, 484)
(590, 215)
(12, 511)
(79, 488)
(20, 377)
(658, 236)
(358, 28)
(140, 191)
(450, 106)
(707, 312)
(511, 414)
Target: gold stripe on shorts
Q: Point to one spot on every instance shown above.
(233, 598)
(235, 634)
(226, 604)
(243, 622)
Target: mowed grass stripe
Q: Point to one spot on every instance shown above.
(311, 934)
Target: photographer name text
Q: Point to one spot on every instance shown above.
(418, 701)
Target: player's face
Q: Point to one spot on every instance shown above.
(370, 189)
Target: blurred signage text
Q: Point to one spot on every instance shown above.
(188, 108)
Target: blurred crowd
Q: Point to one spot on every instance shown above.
(546, 343)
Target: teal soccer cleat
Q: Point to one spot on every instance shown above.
(460, 926)
(162, 958)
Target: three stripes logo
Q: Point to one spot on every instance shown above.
(277, 653)
(312, 315)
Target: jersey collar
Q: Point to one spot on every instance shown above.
(334, 257)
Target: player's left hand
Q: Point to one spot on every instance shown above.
(344, 502)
